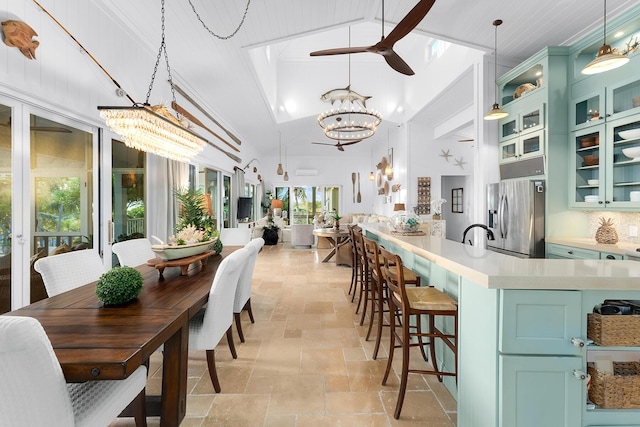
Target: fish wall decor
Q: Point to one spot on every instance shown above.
(19, 34)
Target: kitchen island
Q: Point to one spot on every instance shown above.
(522, 331)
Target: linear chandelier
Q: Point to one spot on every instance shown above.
(153, 128)
(147, 128)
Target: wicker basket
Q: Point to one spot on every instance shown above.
(614, 330)
(620, 390)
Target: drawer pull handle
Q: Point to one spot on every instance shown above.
(570, 252)
(579, 375)
(577, 342)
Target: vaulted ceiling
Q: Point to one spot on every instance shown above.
(262, 84)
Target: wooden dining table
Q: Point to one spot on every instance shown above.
(94, 342)
(337, 238)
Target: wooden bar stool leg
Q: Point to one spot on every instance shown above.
(374, 307)
(432, 347)
(392, 344)
(381, 299)
(406, 341)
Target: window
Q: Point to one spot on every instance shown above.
(310, 201)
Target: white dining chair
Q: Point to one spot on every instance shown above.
(70, 270)
(235, 236)
(134, 252)
(242, 299)
(33, 390)
(209, 325)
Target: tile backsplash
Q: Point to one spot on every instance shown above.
(622, 222)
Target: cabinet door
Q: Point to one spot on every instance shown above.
(531, 144)
(623, 136)
(623, 98)
(588, 182)
(508, 151)
(587, 111)
(540, 391)
(540, 322)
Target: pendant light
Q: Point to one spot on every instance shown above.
(371, 177)
(496, 112)
(280, 171)
(606, 59)
(286, 173)
(388, 170)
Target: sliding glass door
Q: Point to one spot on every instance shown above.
(47, 195)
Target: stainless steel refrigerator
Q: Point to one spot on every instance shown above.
(516, 217)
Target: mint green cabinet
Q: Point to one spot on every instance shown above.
(613, 175)
(540, 391)
(587, 110)
(540, 323)
(555, 251)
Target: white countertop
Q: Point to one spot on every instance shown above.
(498, 271)
(620, 248)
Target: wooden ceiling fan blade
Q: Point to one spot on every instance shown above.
(340, 51)
(323, 143)
(397, 63)
(408, 23)
(350, 142)
(340, 147)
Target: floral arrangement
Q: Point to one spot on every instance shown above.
(436, 206)
(188, 235)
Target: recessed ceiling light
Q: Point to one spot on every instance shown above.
(618, 34)
(539, 73)
(400, 109)
(281, 107)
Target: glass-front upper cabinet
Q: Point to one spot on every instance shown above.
(527, 120)
(607, 166)
(623, 99)
(587, 111)
(624, 159)
(589, 178)
(527, 145)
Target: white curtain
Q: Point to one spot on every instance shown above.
(237, 190)
(164, 176)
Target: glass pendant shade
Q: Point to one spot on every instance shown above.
(286, 176)
(606, 60)
(280, 171)
(371, 177)
(496, 113)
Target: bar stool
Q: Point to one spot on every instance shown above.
(380, 291)
(355, 263)
(415, 302)
(365, 282)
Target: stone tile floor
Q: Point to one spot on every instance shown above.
(305, 361)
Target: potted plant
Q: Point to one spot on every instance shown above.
(119, 285)
(270, 232)
(336, 221)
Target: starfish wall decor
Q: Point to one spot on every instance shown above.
(460, 162)
(446, 155)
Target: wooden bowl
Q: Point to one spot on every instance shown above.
(591, 159)
(589, 141)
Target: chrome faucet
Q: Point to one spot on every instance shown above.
(490, 235)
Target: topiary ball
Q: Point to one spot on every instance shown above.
(217, 246)
(119, 285)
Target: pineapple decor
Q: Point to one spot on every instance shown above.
(606, 233)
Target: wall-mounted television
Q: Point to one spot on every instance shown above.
(245, 207)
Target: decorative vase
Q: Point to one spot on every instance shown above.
(336, 225)
(606, 234)
(405, 222)
(270, 236)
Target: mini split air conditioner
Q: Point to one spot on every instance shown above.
(306, 172)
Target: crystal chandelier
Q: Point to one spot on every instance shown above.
(144, 128)
(153, 128)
